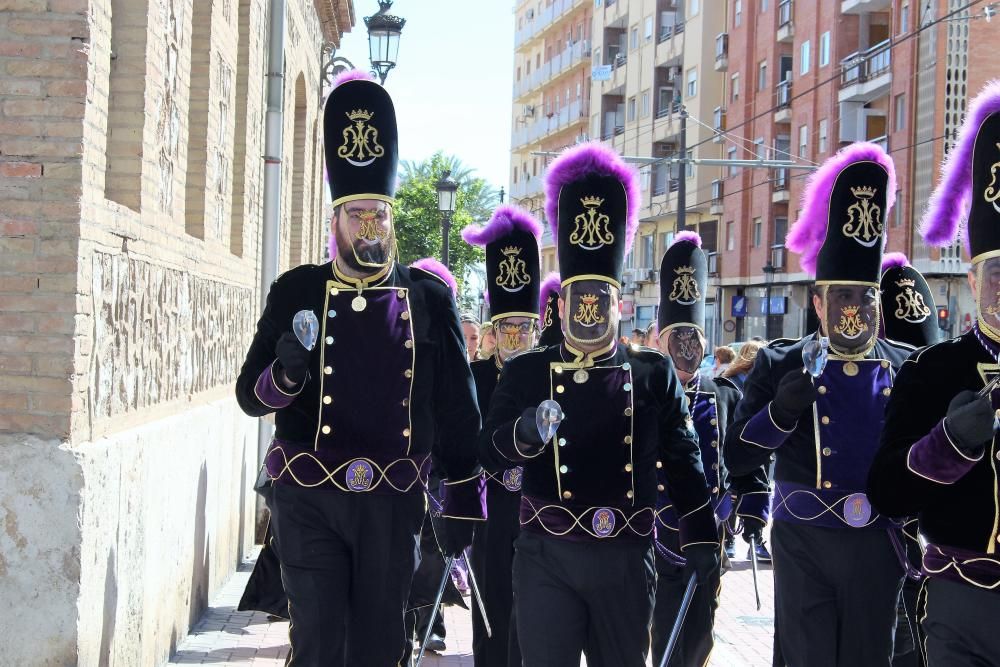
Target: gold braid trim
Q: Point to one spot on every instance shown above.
(380, 474)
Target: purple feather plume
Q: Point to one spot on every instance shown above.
(584, 159)
(688, 235)
(431, 265)
(807, 235)
(331, 241)
(352, 75)
(892, 260)
(505, 219)
(551, 283)
(948, 208)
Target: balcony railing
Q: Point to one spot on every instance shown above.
(721, 46)
(620, 60)
(784, 12)
(719, 119)
(667, 109)
(780, 180)
(713, 263)
(778, 257)
(552, 122)
(675, 184)
(543, 20)
(882, 141)
(866, 65)
(783, 93)
(718, 190)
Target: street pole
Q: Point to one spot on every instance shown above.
(682, 175)
(445, 233)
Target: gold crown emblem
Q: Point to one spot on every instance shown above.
(906, 282)
(511, 250)
(360, 114)
(681, 270)
(589, 299)
(850, 311)
(591, 202)
(863, 192)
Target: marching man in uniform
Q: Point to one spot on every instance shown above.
(938, 459)
(512, 280)
(681, 336)
(549, 320)
(357, 414)
(583, 571)
(836, 573)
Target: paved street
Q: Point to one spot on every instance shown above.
(225, 636)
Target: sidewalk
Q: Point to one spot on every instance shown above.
(225, 636)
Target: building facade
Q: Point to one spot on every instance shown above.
(133, 136)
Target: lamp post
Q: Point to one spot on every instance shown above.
(769, 270)
(447, 188)
(383, 38)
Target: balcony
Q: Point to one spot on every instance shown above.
(526, 188)
(866, 75)
(722, 52)
(786, 29)
(779, 187)
(541, 21)
(556, 121)
(864, 6)
(667, 31)
(713, 263)
(778, 257)
(783, 102)
(667, 125)
(572, 56)
(718, 192)
(718, 123)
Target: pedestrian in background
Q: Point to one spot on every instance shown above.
(470, 330)
(738, 370)
(487, 341)
(724, 356)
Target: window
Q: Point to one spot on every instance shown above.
(665, 239)
(693, 7)
(631, 108)
(804, 57)
(733, 169)
(633, 39)
(737, 13)
(897, 210)
(758, 148)
(645, 104)
(781, 229)
(824, 49)
(515, 174)
(762, 75)
(758, 229)
(763, 5)
(803, 140)
(647, 30)
(689, 166)
(904, 18)
(648, 250)
(579, 89)
(821, 141)
(735, 87)
(538, 60)
(597, 56)
(730, 236)
(518, 73)
(692, 79)
(900, 109)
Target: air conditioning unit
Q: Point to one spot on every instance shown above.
(529, 110)
(654, 276)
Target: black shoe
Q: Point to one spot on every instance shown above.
(763, 555)
(730, 547)
(435, 643)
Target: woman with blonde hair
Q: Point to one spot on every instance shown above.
(487, 341)
(741, 365)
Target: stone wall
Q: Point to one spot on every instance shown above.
(131, 136)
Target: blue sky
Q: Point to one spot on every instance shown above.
(452, 85)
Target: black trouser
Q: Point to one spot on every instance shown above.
(492, 563)
(590, 596)
(960, 625)
(346, 565)
(906, 652)
(694, 644)
(835, 593)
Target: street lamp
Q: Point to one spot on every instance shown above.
(447, 188)
(383, 38)
(769, 270)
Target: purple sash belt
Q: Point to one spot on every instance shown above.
(586, 523)
(827, 508)
(292, 463)
(962, 566)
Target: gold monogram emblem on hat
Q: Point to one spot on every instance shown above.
(547, 318)
(370, 229)
(360, 146)
(864, 217)
(587, 314)
(685, 288)
(590, 228)
(512, 275)
(910, 306)
(992, 192)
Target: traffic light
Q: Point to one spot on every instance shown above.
(943, 320)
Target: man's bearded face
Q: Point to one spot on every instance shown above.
(363, 230)
(851, 316)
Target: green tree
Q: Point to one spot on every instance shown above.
(418, 221)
